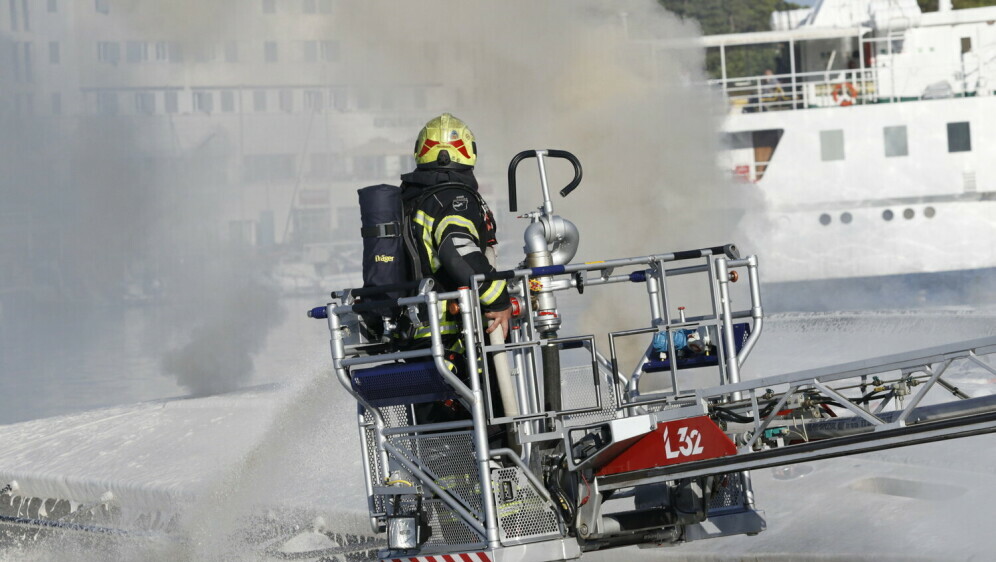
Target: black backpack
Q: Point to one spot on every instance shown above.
(390, 256)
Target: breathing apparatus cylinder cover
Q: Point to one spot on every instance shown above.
(385, 261)
(445, 142)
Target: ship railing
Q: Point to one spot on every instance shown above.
(805, 90)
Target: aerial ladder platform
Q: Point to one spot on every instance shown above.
(557, 446)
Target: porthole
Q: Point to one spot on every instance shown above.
(908, 214)
(846, 218)
(824, 219)
(887, 215)
(929, 212)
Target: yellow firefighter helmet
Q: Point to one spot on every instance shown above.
(444, 141)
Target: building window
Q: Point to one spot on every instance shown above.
(26, 14)
(269, 6)
(204, 102)
(102, 6)
(13, 15)
(895, 141)
(326, 166)
(312, 225)
(310, 51)
(136, 51)
(205, 52)
(314, 100)
(15, 57)
(330, 51)
(259, 101)
(53, 52)
(175, 52)
(340, 99)
(27, 104)
(269, 167)
(231, 51)
(28, 66)
(171, 102)
(53, 6)
(286, 101)
(145, 103)
(363, 99)
(832, 145)
(368, 167)
(270, 51)
(959, 137)
(227, 101)
(56, 103)
(108, 51)
(167, 51)
(107, 103)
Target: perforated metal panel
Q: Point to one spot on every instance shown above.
(523, 515)
(731, 495)
(392, 384)
(448, 530)
(449, 460)
(578, 391)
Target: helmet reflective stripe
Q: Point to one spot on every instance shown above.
(446, 134)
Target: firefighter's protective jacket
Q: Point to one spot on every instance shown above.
(451, 231)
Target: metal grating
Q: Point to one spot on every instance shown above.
(578, 392)
(522, 513)
(396, 416)
(373, 460)
(730, 495)
(447, 528)
(449, 460)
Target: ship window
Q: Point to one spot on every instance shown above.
(846, 217)
(887, 215)
(929, 212)
(825, 219)
(895, 141)
(832, 145)
(966, 45)
(959, 137)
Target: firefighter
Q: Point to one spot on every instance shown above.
(452, 230)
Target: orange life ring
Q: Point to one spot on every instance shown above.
(845, 94)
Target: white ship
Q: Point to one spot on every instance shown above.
(873, 149)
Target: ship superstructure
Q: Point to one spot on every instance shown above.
(869, 144)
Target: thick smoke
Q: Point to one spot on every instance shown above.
(614, 83)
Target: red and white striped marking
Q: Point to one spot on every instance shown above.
(462, 557)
